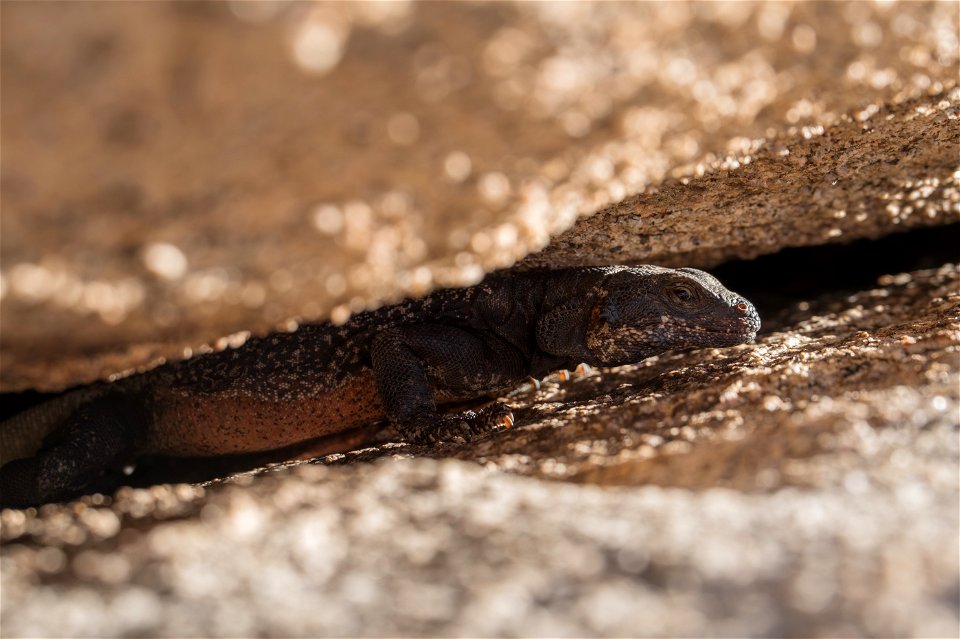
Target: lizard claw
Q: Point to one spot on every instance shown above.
(584, 370)
(495, 418)
(467, 426)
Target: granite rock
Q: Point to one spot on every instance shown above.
(176, 172)
(173, 173)
(804, 485)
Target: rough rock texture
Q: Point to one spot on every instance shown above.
(901, 164)
(175, 172)
(805, 485)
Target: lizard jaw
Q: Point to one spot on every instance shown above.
(716, 338)
(728, 338)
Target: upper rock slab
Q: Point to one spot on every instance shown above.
(175, 172)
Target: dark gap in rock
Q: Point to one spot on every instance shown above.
(773, 282)
(780, 280)
(14, 403)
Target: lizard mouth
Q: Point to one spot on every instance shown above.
(741, 334)
(721, 337)
(746, 335)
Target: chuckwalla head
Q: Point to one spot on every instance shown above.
(647, 310)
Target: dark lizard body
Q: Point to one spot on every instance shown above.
(397, 363)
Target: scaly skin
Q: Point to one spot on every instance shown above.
(398, 363)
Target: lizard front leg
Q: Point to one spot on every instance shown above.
(413, 364)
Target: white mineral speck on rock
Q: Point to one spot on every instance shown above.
(318, 46)
(328, 219)
(494, 187)
(457, 166)
(165, 260)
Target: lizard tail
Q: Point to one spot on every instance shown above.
(23, 434)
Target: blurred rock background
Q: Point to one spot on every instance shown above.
(176, 172)
(173, 173)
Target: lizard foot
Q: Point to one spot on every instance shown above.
(465, 427)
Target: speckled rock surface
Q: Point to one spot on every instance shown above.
(175, 172)
(864, 177)
(804, 485)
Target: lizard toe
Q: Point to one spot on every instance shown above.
(495, 418)
(467, 426)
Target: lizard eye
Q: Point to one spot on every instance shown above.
(682, 293)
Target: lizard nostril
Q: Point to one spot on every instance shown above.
(742, 307)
